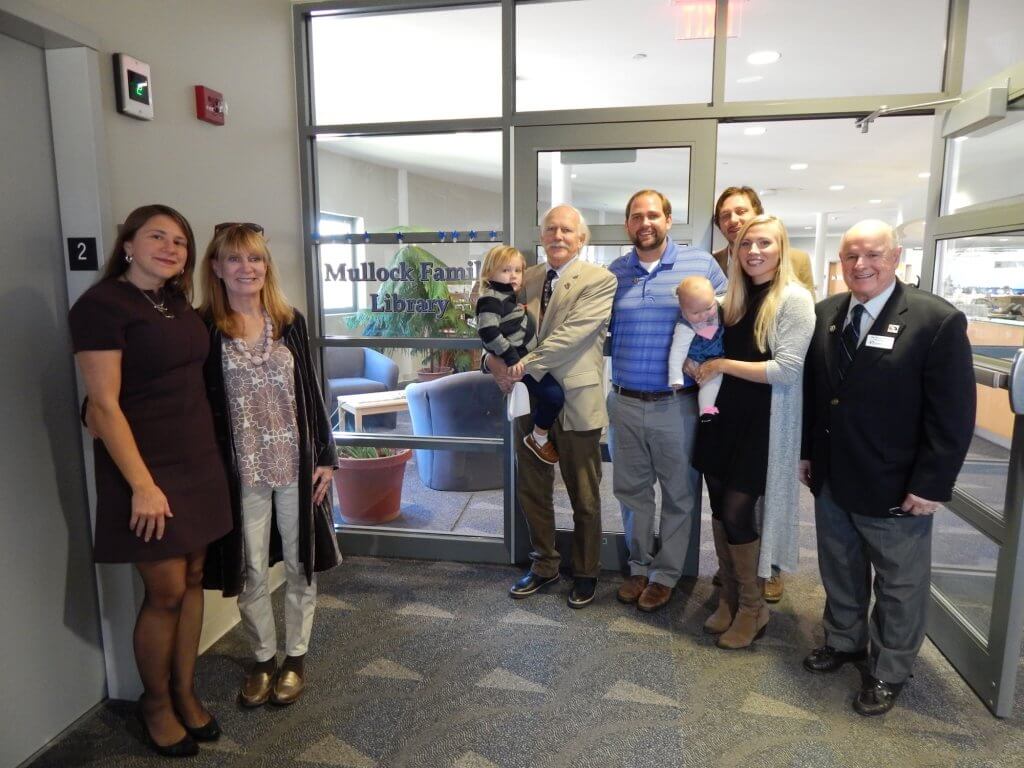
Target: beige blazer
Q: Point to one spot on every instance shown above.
(571, 338)
(801, 266)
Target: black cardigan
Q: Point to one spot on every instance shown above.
(318, 546)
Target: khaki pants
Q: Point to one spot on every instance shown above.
(580, 466)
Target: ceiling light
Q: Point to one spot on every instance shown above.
(837, 187)
(639, 56)
(924, 175)
(754, 130)
(1004, 239)
(798, 167)
(875, 201)
(760, 58)
(750, 79)
(572, 175)
(808, 227)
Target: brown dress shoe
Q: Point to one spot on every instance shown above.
(772, 589)
(290, 682)
(258, 684)
(653, 597)
(546, 453)
(631, 588)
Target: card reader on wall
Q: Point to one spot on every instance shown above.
(133, 87)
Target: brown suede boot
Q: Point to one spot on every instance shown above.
(752, 614)
(720, 620)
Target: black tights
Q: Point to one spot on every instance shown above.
(734, 510)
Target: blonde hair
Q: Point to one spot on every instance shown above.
(495, 259)
(735, 304)
(215, 304)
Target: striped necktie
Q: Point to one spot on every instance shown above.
(849, 339)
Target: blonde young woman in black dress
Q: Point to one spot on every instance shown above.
(162, 493)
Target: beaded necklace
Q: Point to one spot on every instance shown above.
(259, 354)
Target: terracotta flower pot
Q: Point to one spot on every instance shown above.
(425, 374)
(370, 490)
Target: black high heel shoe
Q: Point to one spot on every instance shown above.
(186, 747)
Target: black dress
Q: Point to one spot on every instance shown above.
(163, 396)
(733, 446)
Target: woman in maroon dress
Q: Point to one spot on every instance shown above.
(161, 488)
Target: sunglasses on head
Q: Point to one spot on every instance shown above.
(246, 225)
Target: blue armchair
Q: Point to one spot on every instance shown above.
(356, 370)
(460, 405)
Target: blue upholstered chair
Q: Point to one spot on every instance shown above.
(460, 405)
(357, 370)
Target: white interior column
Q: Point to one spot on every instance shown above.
(819, 264)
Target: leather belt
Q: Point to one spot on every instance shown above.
(652, 396)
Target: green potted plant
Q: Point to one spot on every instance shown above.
(437, 362)
(369, 483)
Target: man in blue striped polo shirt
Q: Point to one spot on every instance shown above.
(653, 426)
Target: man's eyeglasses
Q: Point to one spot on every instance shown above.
(246, 225)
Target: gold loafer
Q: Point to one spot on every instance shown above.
(287, 687)
(257, 687)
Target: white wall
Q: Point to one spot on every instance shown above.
(248, 169)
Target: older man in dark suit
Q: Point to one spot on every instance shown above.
(888, 417)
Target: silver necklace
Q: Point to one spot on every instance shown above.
(160, 306)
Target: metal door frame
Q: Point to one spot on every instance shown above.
(701, 137)
(988, 664)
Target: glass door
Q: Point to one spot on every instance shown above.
(976, 234)
(596, 168)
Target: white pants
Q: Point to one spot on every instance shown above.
(254, 602)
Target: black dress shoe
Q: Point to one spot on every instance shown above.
(828, 659)
(530, 583)
(186, 747)
(582, 592)
(208, 732)
(876, 697)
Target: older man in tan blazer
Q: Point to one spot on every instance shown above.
(571, 301)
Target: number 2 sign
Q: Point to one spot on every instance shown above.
(82, 255)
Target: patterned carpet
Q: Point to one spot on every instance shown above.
(431, 664)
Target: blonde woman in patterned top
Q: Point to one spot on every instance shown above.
(276, 441)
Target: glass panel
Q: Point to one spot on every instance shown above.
(779, 51)
(600, 181)
(455, 492)
(985, 169)
(983, 276)
(405, 290)
(964, 564)
(806, 171)
(608, 53)
(994, 41)
(431, 182)
(398, 67)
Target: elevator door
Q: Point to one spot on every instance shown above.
(50, 641)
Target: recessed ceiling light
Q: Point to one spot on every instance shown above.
(924, 175)
(754, 130)
(808, 227)
(961, 139)
(750, 79)
(1004, 239)
(875, 201)
(639, 56)
(572, 175)
(766, 192)
(798, 167)
(837, 187)
(759, 58)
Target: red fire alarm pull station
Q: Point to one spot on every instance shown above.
(210, 105)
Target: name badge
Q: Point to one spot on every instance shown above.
(879, 342)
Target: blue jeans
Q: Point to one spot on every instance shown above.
(547, 399)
